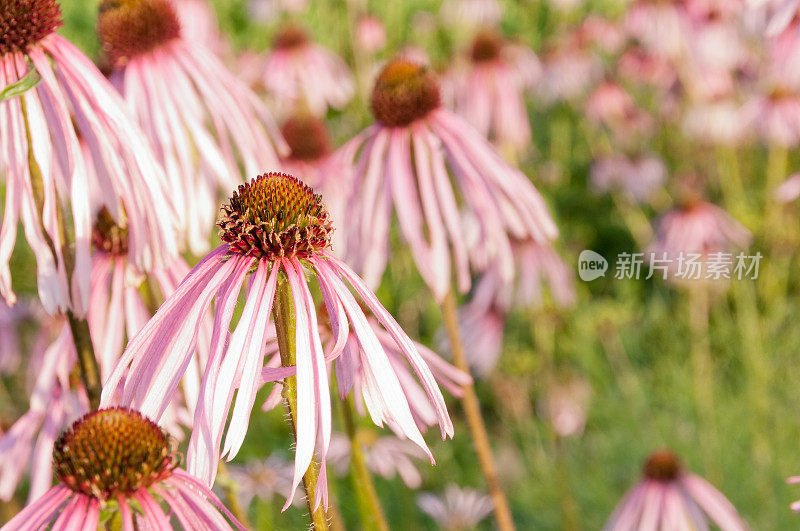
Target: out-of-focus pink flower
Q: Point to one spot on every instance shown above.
(568, 71)
(661, 27)
(386, 456)
(489, 87)
(262, 479)
(471, 13)
(274, 227)
(203, 122)
(614, 108)
(118, 455)
(608, 36)
(693, 236)
(458, 510)
(775, 118)
(301, 72)
(639, 66)
(669, 497)
(637, 178)
(39, 133)
(370, 34)
(408, 162)
(28, 444)
(715, 122)
(789, 190)
(564, 406)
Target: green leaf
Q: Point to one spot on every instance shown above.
(19, 88)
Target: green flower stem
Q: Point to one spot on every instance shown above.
(472, 412)
(285, 327)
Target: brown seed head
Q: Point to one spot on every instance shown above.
(273, 216)
(486, 46)
(290, 36)
(404, 92)
(128, 28)
(307, 137)
(662, 465)
(23, 23)
(112, 452)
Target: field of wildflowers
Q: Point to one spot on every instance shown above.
(553, 250)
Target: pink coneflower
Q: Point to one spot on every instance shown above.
(202, 121)
(699, 226)
(45, 169)
(775, 118)
(274, 228)
(605, 34)
(489, 89)
(482, 319)
(386, 456)
(458, 510)
(637, 178)
(696, 239)
(669, 497)
(409, 162)
(116, 458)
(300, 71)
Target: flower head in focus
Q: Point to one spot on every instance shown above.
(276, 230)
